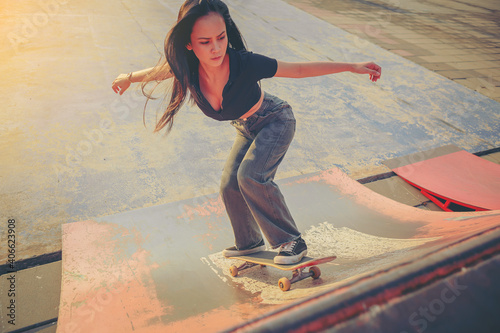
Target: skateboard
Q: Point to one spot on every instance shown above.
(266, 258)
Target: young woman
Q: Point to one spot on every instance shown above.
(206, 56)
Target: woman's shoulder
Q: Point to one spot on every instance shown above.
(257, 64)
(245, 56)
(239, 59)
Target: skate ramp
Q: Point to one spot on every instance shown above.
(160, 269)
(452, 178)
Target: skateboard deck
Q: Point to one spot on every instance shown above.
(266, 258)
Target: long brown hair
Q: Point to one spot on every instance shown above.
(183, 63)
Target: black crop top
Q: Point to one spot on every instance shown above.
(242, 90)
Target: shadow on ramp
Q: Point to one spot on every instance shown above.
(160, 269)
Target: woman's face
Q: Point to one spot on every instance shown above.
(209, 40)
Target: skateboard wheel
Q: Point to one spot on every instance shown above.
(315, 272)
(284, 284)
(233, 270)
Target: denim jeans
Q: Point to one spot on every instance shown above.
(252, 199)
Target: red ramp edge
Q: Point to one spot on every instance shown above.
(459, 178)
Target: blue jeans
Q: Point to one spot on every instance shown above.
(252, 199)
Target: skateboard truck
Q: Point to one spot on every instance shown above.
(299, 275)
(234, 270)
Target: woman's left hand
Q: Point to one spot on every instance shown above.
(371, 68)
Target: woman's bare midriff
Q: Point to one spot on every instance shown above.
(254, 108)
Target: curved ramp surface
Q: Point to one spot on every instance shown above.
(160, 268)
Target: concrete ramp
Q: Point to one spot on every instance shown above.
(159, 269)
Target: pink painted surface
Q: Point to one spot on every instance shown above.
(460, 176)
(157, 269)
(108, 288)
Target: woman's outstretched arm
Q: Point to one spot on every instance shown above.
(123, 81)
(318, 68)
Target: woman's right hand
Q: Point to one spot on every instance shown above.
(121, 83)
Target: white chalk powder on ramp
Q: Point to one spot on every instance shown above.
(357, 253)
(326, 240)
